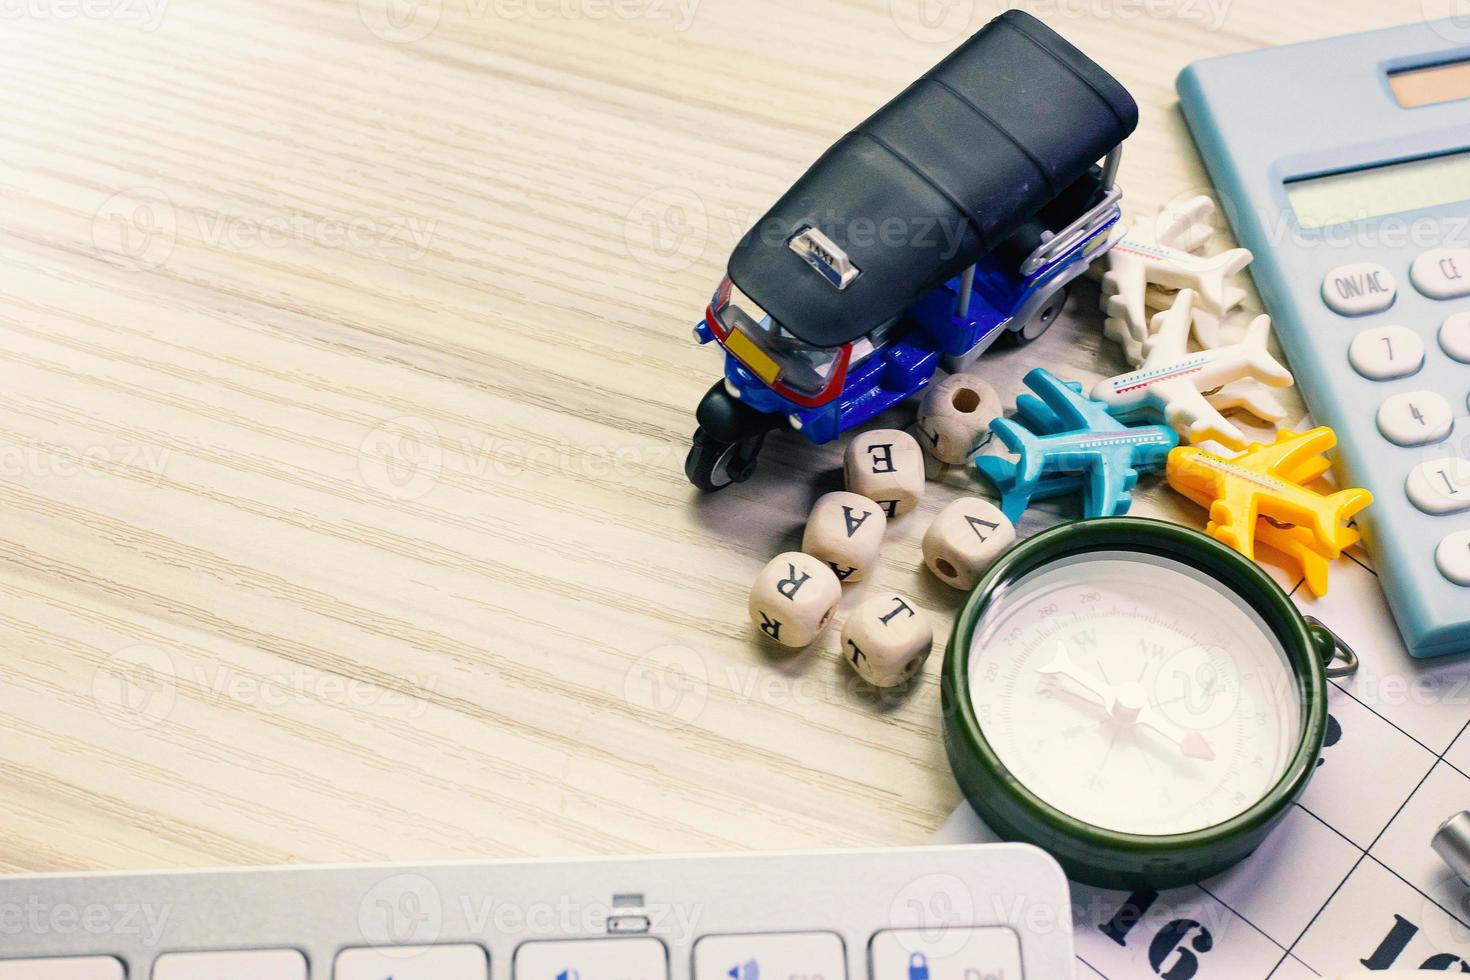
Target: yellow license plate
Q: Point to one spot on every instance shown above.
(753, 357)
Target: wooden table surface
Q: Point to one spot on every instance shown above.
(348, 379)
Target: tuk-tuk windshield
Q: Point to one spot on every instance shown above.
(777, 357)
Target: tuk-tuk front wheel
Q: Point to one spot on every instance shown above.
(713, 465)
(1040, 321)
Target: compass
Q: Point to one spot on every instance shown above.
(1137, 699)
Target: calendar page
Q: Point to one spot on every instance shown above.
(1348, 882)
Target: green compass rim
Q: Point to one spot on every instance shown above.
(1095, 855)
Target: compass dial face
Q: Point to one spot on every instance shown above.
(1134, 693)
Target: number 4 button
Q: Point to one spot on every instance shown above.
(1415, 418)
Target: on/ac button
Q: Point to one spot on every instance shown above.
(1359, 289)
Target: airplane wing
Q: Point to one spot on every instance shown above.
(1170, 332)
(1105, 492)
(1068, 404)
(1191, 415)
(1123, 288)
(1291, 452)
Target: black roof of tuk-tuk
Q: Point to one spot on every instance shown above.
(937, 178)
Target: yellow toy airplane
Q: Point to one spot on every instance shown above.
(1262, 497)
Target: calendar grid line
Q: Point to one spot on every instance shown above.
(1242, 917)
(1390, 721)
(1422, 894)
(1323, 821)
(1359, 862)
(1282, 962)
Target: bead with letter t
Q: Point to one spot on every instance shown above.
(886, 466)
(793, 599)
(845, 530)
(965, 539)
(886, 640)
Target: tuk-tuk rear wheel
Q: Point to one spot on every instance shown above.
(713, 465)
(1040, 321)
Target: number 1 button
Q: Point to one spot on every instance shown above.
(1415, 418)
(1441, 486)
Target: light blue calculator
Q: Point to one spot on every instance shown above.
(1344, 165)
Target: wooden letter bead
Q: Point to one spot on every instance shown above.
(845, 530)
(955, 415)
(793, 598)
(965, 539)
(887, 640)
(886, 466)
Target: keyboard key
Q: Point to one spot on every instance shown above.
(814, 955)
(1454, 337)
(1453, 558)
(1385, 353)
(1441, 486)
(1357, 290)
(1442, 273)
(253, 964)
(592, 959)
(992, 953)
(448, 962)
(1415, 418)
(68, 968)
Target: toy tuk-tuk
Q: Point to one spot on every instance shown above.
(956, 215)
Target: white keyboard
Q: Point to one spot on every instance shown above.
(993, 912)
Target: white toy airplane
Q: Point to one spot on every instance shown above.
(1190, 390)
(1144, 271)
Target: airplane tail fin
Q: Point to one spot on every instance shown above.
(1336, 510)
(1256, 347)
(1214, 278)
(1021, 441)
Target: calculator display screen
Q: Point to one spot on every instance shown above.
(1431, 86)
(1376, 191)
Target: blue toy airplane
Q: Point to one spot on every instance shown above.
(1068, 443)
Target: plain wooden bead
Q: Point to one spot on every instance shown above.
(965, 539)
(886, 466)
(956, 414)
(845, 530)
(793, 599)
(887, 640)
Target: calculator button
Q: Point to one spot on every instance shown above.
(1360, 289)
(456, 962)
(1385, 353)
(1441, 486)
(774, 955)
(67, 968)
(1454, 337)
(1453, 557)
(1442, 273)
(993, 953)
(254, 964)
(592, 959)
(1415, 418)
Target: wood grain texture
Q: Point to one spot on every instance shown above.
(348, 382)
